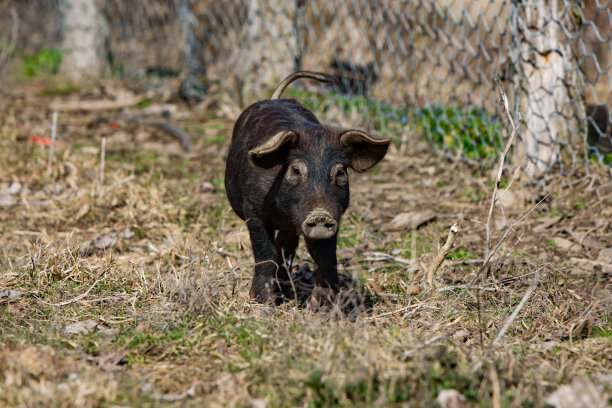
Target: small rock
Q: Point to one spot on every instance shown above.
(581, 393)
(258, 403)
(452, 399)
(85, 326)
(127, 233)
(411, 220)
(605, 256)
(14, 188)
(508, 199)
(105, 241)
(221, 347)
(600, 222)
(6, 199)
(9, 295)
(413, 289)
(368, 217)
(207, 186)
(565, 244)
(461, 335)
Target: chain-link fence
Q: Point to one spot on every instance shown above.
(408, 68)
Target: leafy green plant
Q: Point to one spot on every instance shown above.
(45, 61)
(472, 132)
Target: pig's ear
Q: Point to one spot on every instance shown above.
(264, 155)
(364, 150)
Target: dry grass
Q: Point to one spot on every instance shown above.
(172, 321)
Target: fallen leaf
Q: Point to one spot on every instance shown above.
(581, 393)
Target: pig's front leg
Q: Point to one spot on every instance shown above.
(286, 244)
(323, 252)
(264, 285)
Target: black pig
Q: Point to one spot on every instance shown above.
(287, 172)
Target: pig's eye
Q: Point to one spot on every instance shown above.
(297, 172)
(339, 175)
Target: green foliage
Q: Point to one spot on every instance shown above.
(45, 61)
(472, 132)
(460, 253)
(468, 131)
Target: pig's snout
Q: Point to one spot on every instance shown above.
(319, 225)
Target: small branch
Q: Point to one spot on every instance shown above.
(102, 153)
(52, 146)
(410, 353)
(117, 183)
(436, 262)
(76, 299)
(99, 105)
(502, 158)
(174, 131)
(511, 319)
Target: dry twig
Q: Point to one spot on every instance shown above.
(506, 326)
(436, 262)
(52, 146)
(502, 159)
(75, 299)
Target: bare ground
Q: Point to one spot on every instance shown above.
(133, 290)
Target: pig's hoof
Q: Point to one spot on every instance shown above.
(321, 298)
(262, 294)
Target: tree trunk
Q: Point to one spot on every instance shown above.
(84, 38)
(270, 47)
(550, 92)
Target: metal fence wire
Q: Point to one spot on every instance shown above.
(406, 68)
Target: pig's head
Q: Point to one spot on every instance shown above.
(312, 188)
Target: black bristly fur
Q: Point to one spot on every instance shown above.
(263, 191)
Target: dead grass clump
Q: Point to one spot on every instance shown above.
(201, 288)
(35, 376)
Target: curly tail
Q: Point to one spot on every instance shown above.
(319, 76)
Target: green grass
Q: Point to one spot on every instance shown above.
(59, 90)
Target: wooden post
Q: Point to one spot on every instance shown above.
(270, 49)
(550, 90)
(84, 36)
